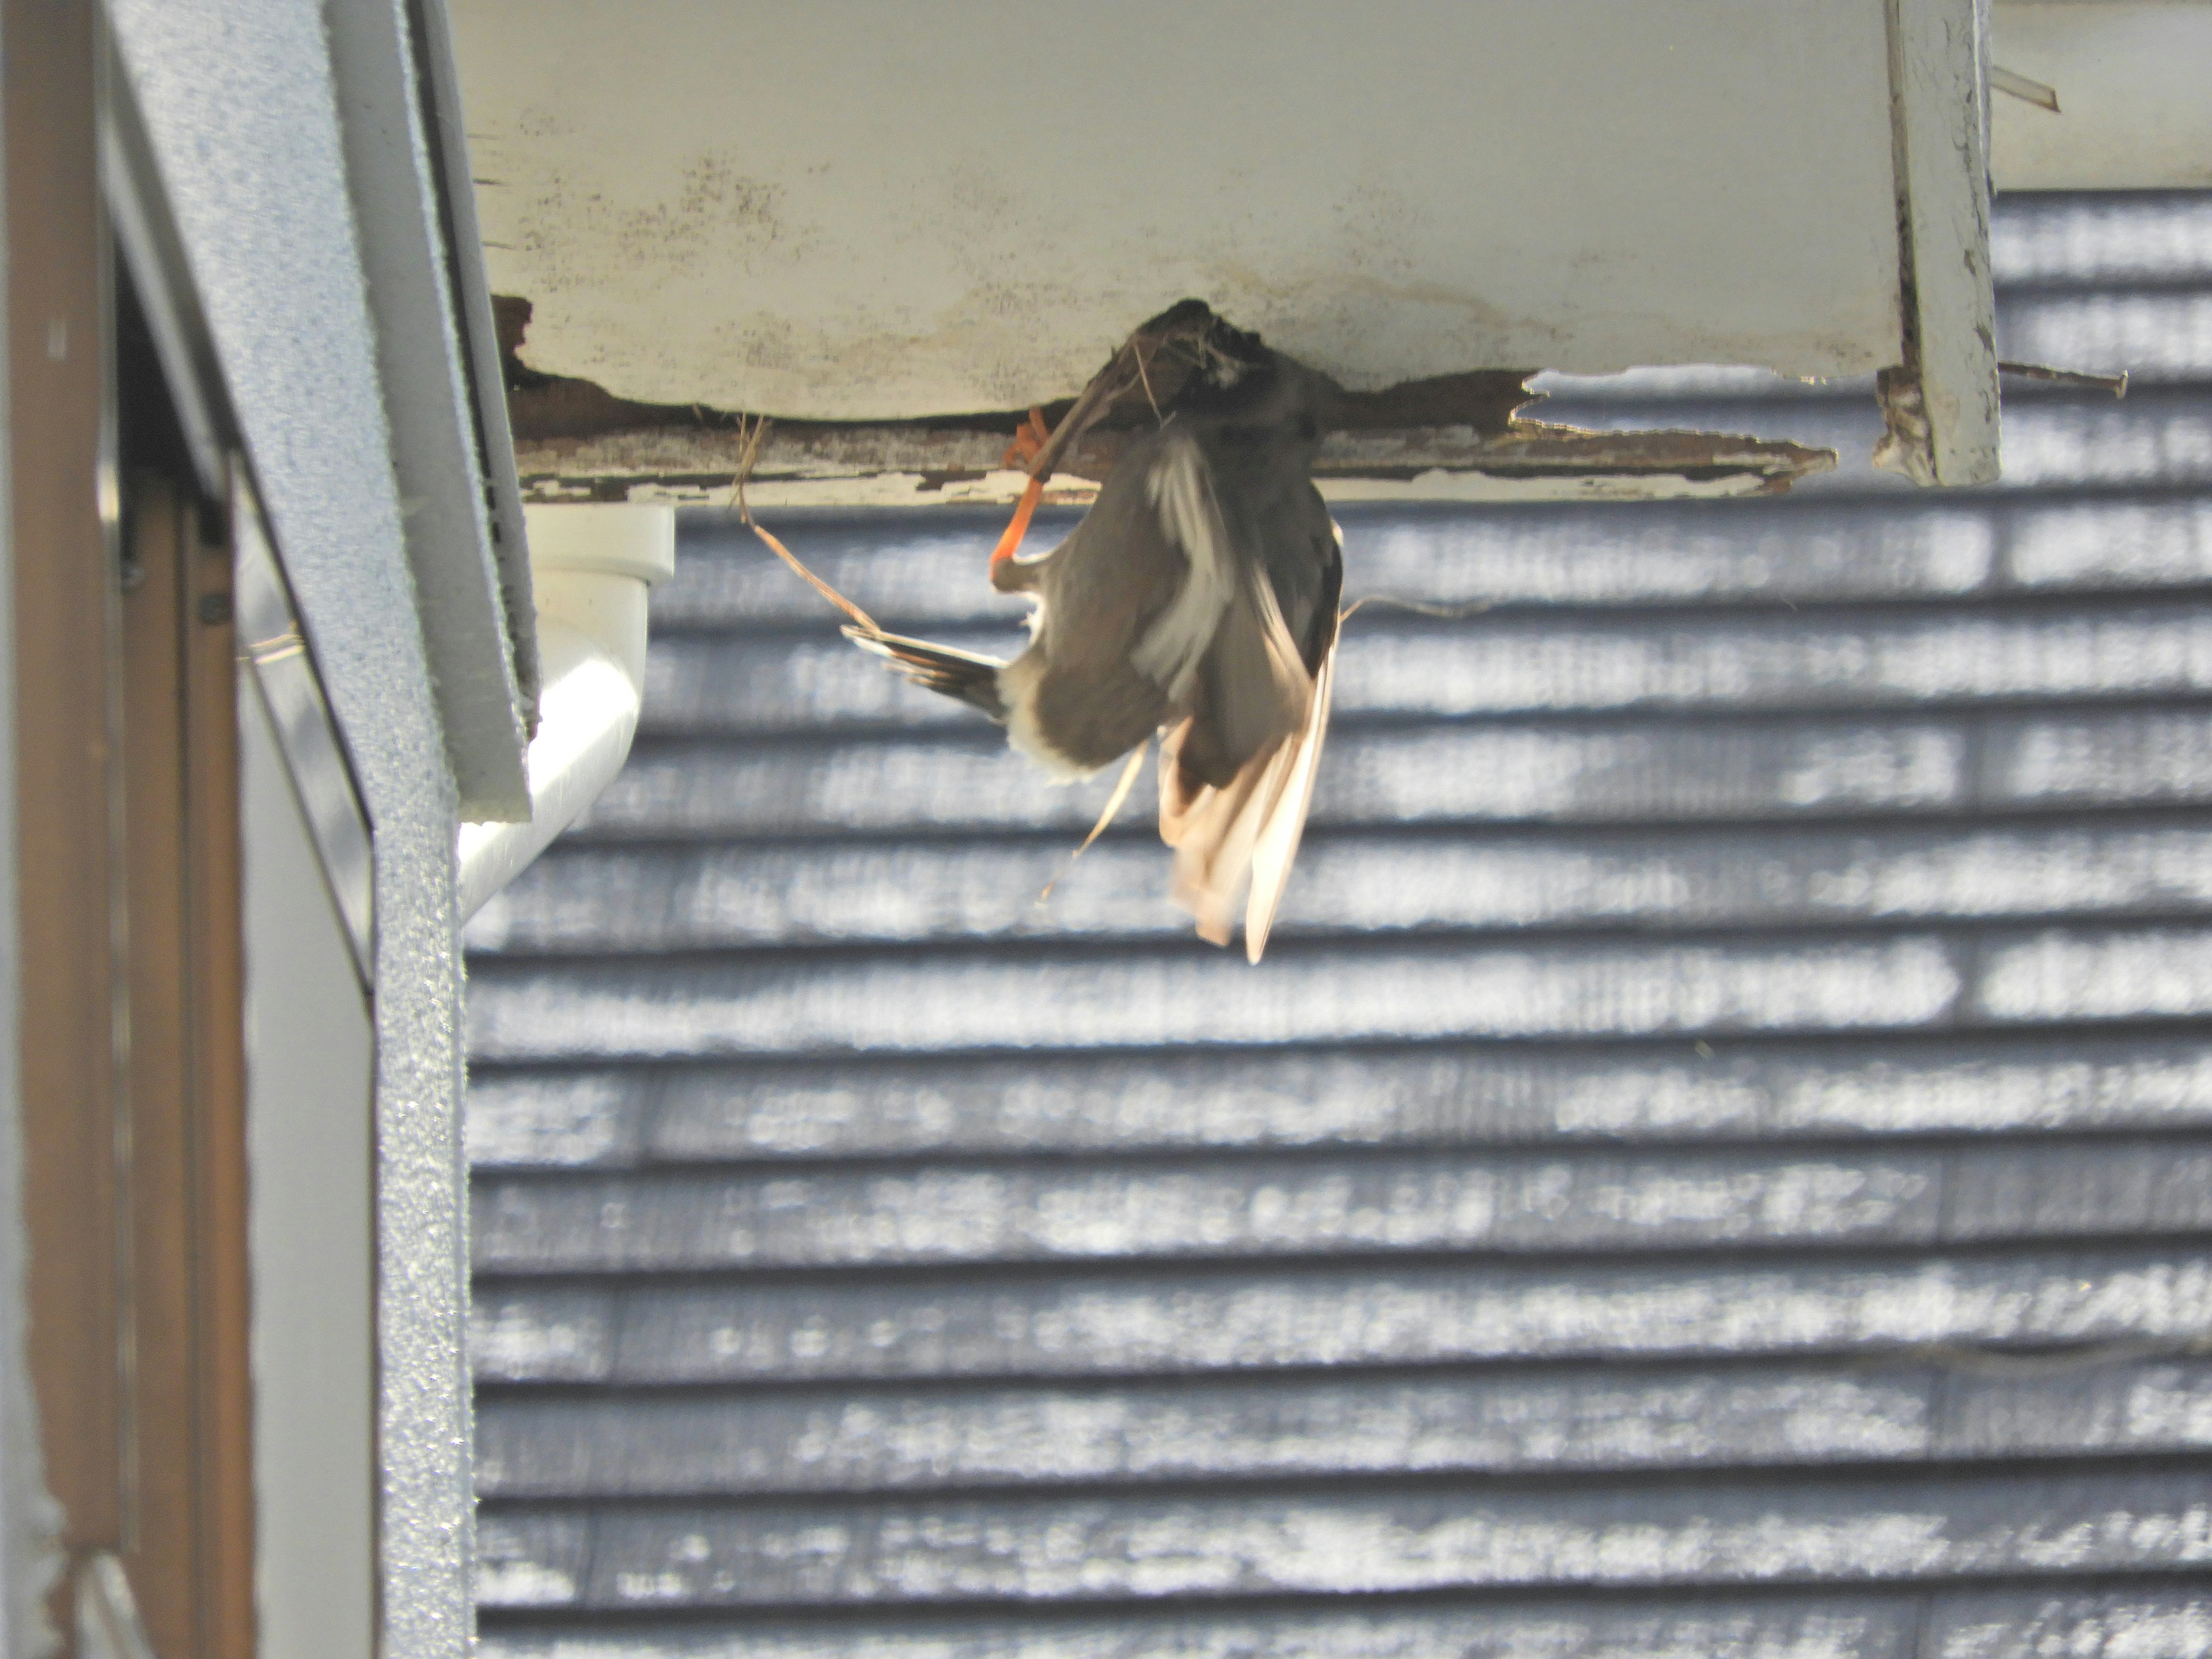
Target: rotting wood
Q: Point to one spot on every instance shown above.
(1457, 437)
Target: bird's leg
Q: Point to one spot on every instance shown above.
(1050, 446)
(1029, 440)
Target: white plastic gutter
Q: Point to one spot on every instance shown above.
(591, 567)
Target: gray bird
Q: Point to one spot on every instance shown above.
(1197, 598)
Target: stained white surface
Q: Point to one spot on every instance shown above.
(851, 211)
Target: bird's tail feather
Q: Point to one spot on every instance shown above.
(964, 676)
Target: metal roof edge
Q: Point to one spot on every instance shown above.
(396, 173)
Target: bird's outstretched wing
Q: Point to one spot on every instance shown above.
(1286, 822)
(1238, 840)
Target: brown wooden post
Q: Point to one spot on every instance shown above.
(132, 1065)
(215, 975)
(65, 599)
(190, 1541)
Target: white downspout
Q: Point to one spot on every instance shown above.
(590, 567)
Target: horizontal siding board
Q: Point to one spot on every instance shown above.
(2131, 1625)
(547, 1336)
(1519, 665)
(949, 1214)
(1626, 554)
(1356, 1541)
(1669, 771)
(2135, 1623)
(695, 897)
(1338, 1425)
(1300, 1428)
(1838, 1626)
(1421, 1096)
(921, 1002)
(2111, 544)
(567, 1119)
(2154, 336)
(2138, 1623)
(2023, 1191)
(1074, 1323)
(1586, 1202)
(2113, 762)
(1191, 993)
(1565, 557)
(1782, 662)
(1587, 772)
(2103, 239)
(2127, 974)
(530, 1560)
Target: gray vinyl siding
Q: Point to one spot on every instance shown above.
(1718, 1160)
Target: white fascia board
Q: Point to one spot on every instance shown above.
(852, 211)
(428, 381)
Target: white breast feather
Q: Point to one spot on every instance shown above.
(1182, 493)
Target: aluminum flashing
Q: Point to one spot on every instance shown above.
(445, 129)
(428, 378)
(1716, 1161)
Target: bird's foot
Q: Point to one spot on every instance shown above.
(1028, 443)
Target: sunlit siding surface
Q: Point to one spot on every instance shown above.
(1718, 1160)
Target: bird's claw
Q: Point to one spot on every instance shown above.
(1028, 443)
